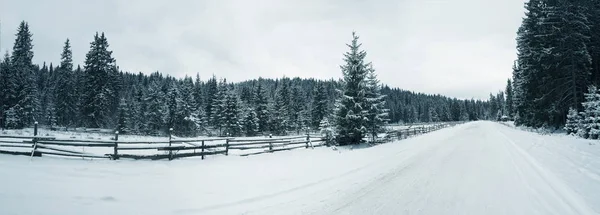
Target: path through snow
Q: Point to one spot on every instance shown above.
(475, 168)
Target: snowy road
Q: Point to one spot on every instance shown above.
(475, 168)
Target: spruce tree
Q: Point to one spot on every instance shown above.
(350, 107)
(100, 98)
(376, 115)
(319, 105)
(211, 100)
(591, 114)
(250, 122)
(230, 114)
(123, 118)
(218, 106)
(573, 122)
(4, 89)
(22, 85)
(63, 90)
(327, 132)
(509, 99)
(262, 107)
(281, 120)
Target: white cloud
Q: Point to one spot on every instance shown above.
(461, 48)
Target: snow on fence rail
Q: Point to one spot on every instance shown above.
(413, 131)
(170, 149)
(173, 147)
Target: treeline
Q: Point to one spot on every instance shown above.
(100, 95)
(558, 47)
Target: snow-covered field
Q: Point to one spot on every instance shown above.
(473, 168)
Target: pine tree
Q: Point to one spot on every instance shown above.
(327, 131)
(100, 98)
(281, 116)
(251, 123)
(211, 100)
(591, 114)
(376, 115)
(319, 105)
(296, 108)
(509, 99)
(218, 106)
(230, 115)
(350, 107)
(573, 122)
(123, 118)
(22, 85)
(262, 107)
(153, 112)
(64, 97)
(4, 89)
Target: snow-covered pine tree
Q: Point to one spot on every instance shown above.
(4, 91)
(170, 114)
(211, 100)
(250, 127)
(218, 106)
(50, 115)
(64, 88)
(591, 114)
(261, 103)
(123, 117)
(22, 84)
(230, 115)
(296, 106)
(350, 126)
(100, 98)
(186, 107)
(319, 105)
(327, 131)
(376, 114)
(153, 99)
(198, 94)
(573, 122)
(508, 106)
(281, 117)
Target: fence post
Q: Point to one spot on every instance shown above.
(203, 150)
(227, 147)
(270, 144)
(116, 155)
(307, 139)
(35, 133)
(170, 150)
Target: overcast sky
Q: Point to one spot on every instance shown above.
(458, 48)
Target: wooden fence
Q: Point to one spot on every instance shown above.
(400, 134)
(173, 147)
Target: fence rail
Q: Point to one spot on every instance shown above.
(174, 147)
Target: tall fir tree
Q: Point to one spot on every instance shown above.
(218, 106)
(101, 96)
(280, 122)
(250, 123)
(591, 114)
(64, 88)
(376, 115)
(509, 99)
(22, 85)
(261, 103)
(350, 107)
(230, 114)
(4, 88)
(319, 105)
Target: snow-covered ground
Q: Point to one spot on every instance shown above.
(474, 168)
